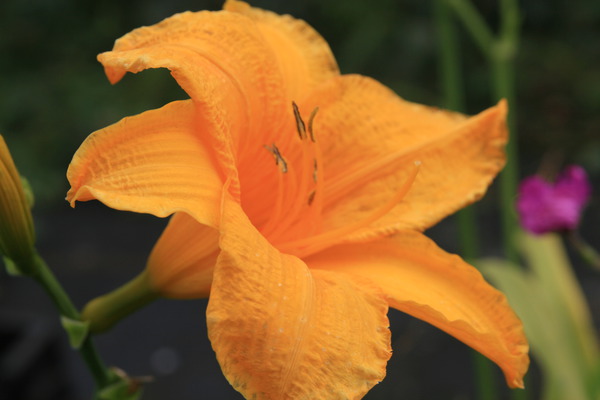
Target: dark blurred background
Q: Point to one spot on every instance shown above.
(53, 94)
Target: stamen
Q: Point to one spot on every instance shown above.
(285, 185)
(304, 177)
(303, 187)
(279, 160)
(310, 123)
(308, 187)
(311, 197)
(300, 127)
(309, 245)
(319, 179)
(278, 209)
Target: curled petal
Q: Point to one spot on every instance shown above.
(150, 163)
(283, 332)
(205, 52)
(221, 61)
(371, 138)
(241, 67)
(182, 261)
(304, 56)
(422, 280)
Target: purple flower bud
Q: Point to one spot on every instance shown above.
(549, 207)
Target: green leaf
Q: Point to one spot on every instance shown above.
(11, 267)
(76, 330)
(555, 315)
(120, 390)
(547, 257)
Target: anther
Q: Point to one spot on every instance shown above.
(315, 170)
(311, 197)
(310, 123)
(279, 160)
(300, 126)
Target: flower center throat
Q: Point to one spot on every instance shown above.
(295, 225)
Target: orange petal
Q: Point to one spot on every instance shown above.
(241, 68)
(370, 140)
(221, 60)
(303, 55)
(305, 61)
(422, 280)
(282, 332)
(182, 262)
(150, 163)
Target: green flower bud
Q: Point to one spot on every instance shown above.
(16, 225)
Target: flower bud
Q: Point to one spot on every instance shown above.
(553, 206)
(16, 225)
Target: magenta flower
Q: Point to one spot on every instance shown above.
(549, 207)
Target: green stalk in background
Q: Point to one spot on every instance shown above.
(500, 51)
(453, 98)
(557, 320)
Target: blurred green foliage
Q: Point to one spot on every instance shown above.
(53, 92)
(556, 318)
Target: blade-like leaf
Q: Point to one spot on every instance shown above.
(11, 268)
(76, 330)
(548, 260)
(555, 315)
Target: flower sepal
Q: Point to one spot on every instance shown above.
(122, 388)
(77, 331)
(10, 267)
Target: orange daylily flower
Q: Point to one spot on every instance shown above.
(299, 198)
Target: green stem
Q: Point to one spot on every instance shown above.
(98, 370)
(501, 53)
(453, 94)
(503, 67)
(468, 233)
(504, 81)
(454, 99)
(510, 21)
(44, 276)
(449, 60)
(587, 252)
(105, 311)
(475, 24)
